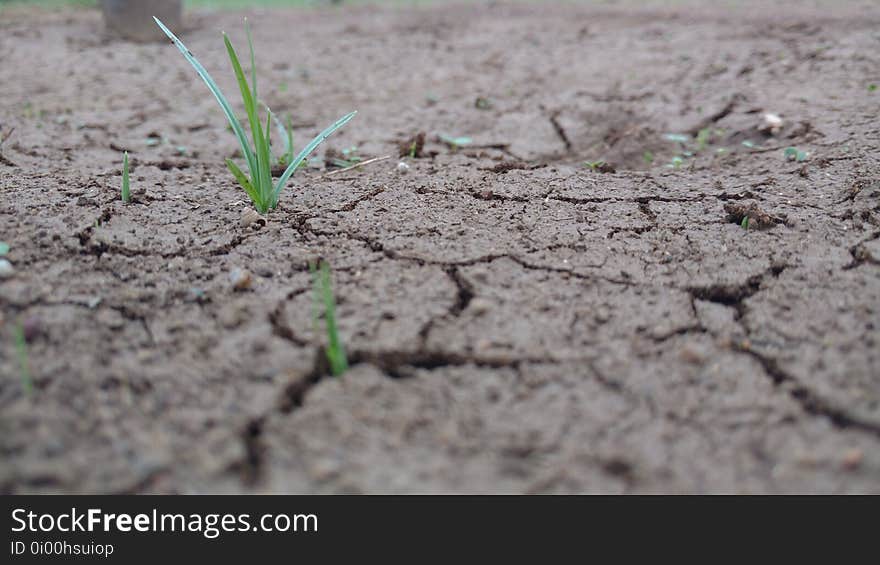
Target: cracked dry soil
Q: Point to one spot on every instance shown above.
(516, 321)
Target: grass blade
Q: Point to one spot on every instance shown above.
(245, 184)
(126, 186)
(291, 167)
(324, 294)
(218, 94)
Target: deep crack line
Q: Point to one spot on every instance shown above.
(809, 401)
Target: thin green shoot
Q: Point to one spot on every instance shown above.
(324, 297)
(594, 165)
(745, 223)
(413, 148)
(259, 185)
(676, 162)
(287, 130)
(872, 88)
(349, 157)
(677, 137)
(126, 187)
(4, 249)
(703, 138)
(648, 157)
(455, 142)
(748, 143)
(22, 353)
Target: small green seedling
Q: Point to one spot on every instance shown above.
(676, 162)
(703, 138)
(126, 188)
(22, 353)
(288, 156)
(594, 165)
(455, 142)
(349, 157)
(748, 143)
(259, 187)
(745, 223)
(4, 249)
(677, 137)
(648, 157)
(794, 154)
(324, 298)
(872, 88)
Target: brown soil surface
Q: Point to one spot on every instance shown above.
(516, 321)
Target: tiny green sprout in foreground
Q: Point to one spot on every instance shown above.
(794, 154)
(22, 353)
(324, 298)
(126, 188)
(872, 88)
(745, 223)
(594, 165)
(648, 157)
(259, 186)
(4, 248)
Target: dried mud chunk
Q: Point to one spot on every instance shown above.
(332, 158)
(240, 279)
(413, 146)
(604, 167)
(508, 166)
(758, 218)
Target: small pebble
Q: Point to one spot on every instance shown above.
(240, 278)
(480, 306)
(402, 167)
(252, 219)
(852, 458)
(6, 269)
(771, 123)
(690, 354)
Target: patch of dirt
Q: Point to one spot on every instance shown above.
(514, 321)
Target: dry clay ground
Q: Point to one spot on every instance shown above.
(516, 321)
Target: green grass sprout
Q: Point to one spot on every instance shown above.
(795, 154)
(677, 137)
(324, 297)
(455, 142)
(259, 186)
(676, 162)
(350, 157)
(703, 137)
(126, 188)
(4, 248)
(745, 223)
(22, 352)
